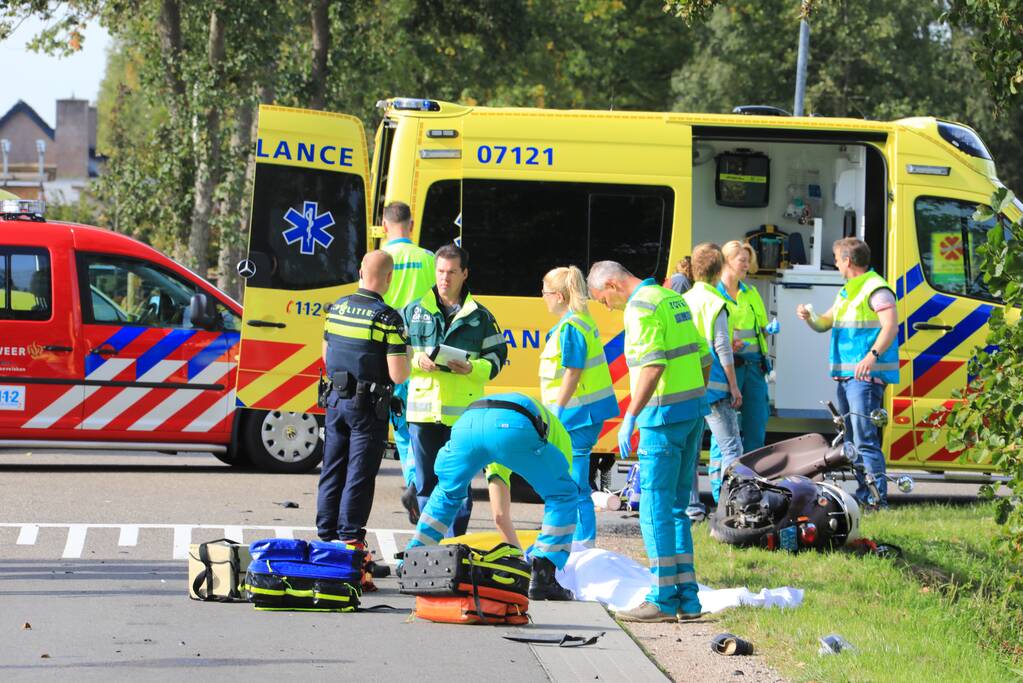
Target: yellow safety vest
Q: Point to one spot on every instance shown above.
(594, 398)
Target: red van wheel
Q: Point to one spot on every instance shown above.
(281, 441)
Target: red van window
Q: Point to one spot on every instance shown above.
(27, 290)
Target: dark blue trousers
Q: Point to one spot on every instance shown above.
(427, 439)
(353, 445)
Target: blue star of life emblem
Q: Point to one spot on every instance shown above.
(309, 227)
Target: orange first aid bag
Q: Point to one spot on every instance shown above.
(463, 609)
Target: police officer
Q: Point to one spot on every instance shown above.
(440, 392)
(864, 326)
(517, 432)
(668, 367)
(366, 353)
(413, 277)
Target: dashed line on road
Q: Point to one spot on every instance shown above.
(128, 535)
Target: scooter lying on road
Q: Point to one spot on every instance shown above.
(785, 495)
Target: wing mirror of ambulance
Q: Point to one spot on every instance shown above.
(202, 312)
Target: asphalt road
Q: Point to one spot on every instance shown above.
(92, 558)
(93, 585)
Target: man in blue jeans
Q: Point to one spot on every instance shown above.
(864, 326)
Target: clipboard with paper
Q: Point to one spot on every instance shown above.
(442, 354)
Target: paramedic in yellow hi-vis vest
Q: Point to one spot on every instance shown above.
(864, 326)
(668, 368)
(366, 353)
(713, 318)
(413, 277)
(447, 322)
(575, 384)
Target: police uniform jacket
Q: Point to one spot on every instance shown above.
(361, 332)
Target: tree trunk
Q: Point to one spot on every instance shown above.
(239, 180)
(206, 142)
(169, 28)
(321, 45)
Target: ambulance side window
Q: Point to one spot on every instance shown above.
(515, 231)
(948, 238)
(27, 289)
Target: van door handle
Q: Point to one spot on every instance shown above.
(265, 323)
(57, 347)
(930, 326)
(105, 350)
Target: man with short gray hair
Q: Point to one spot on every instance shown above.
(864, 326)
(668, 365)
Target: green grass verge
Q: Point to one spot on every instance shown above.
(940, 614)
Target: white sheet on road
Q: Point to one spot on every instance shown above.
(622, 583)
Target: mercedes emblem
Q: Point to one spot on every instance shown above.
(246, 268)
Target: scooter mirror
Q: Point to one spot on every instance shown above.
(905, 483)
(879, 417)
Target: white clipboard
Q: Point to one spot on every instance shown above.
(444, 354)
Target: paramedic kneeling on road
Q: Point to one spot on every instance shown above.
(668, 367)
(438, 394)
(515, 431)
(864, 326)
(366, 354)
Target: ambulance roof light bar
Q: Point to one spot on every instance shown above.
(33, 209)
(409, 104)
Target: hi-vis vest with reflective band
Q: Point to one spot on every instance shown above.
(414, 272)
(748, 318)
(442, 396)
(659, 330)
(856, 327)
(706, 304)
(594, 398)
(557, 435)
(361, 331)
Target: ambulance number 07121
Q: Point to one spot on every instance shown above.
(520, 156)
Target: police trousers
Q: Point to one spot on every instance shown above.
(353, 445)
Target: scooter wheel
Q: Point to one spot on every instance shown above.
(723, 529)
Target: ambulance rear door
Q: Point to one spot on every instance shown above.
(307, 234)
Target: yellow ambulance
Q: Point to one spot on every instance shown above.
(524, 190)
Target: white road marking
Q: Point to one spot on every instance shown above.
(75, 541)
(128, 535)
(28, 534)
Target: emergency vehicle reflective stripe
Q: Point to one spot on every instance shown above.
(851, 367)
(590, 363)
(745, 334)
(557, 530)
(718, 386)
(677, 397)
(493, 340)
(554, 547)
(685, 558)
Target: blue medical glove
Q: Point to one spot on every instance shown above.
(625, 435)
(558, 411)
(773, 327)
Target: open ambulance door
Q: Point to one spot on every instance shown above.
(307, 234)
(944, 307)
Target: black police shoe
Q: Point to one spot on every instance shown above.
(543, 585)
(410, 501)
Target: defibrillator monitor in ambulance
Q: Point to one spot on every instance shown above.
(743, 179)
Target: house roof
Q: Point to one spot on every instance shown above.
(23, 107)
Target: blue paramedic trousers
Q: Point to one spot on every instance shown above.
(583, 441)
(666, 456)
(482, 436)
(401, 436)
(427, 439)
(353, 446)
(864, 397)
(752, 417)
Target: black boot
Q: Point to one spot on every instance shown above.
(543, 585)
(410, 502)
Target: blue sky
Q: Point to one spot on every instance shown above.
(40, 80)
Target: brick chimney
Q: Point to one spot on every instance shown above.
(73, 135)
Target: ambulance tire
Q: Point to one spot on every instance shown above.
(282, 442)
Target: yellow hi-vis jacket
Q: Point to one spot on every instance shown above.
(594, 398)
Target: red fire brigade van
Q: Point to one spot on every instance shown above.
(105, 343)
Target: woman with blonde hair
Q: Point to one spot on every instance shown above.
(575, 385)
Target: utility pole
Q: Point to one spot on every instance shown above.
(804, 50)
